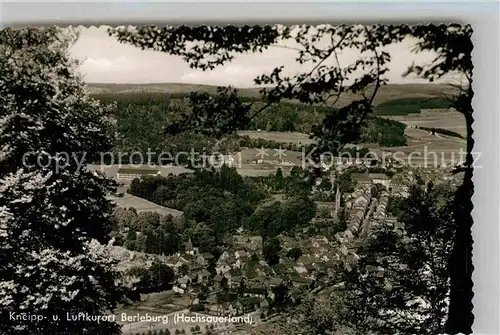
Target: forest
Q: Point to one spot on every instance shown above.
(142, 120)
(216, 203)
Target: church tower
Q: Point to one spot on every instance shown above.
(337, 202)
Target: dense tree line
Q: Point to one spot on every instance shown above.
(219, 198)
(385, 132)
(143, 122)
(148, 232)
(277, 217)
(442, 131)
(406, 106)
(218, 202)
(158, 277)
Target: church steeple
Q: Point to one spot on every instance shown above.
(337, 201)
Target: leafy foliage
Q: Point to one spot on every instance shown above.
(217, 202)
(453, 46)
(156, 278)
(55, 217)
(401, 279)
(271, 251)
(213, 116)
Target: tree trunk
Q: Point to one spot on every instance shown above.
(460, 317)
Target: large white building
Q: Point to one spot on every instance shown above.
(132, 173)
(380, 178)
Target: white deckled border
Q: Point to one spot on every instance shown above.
(482, 15)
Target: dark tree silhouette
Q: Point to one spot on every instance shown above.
(453, 45)
(54, 215)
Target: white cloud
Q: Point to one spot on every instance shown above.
(107, 61)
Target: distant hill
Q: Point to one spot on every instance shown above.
(386, 93)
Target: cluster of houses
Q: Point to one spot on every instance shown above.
(281, 162)
(356, 205)
(242, 271)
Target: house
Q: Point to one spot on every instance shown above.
(222, 268)
(133, 173)
(232, 261)
(259, 281)
(222, 309)
(251, 248)
(361, 178)
(206, 256)
(219, 282)
(240, 253)
(298, 281)
(361, 200)
(274, 282)
(234, 273)
(255, 241)
(177, 261)
(280, 269)
(399, 190)
(264, 270)
(305, 261)
(204, 276)
(380, 178)
(317, 240)
(320, 268)
(264, 304)
(300, 269)
(253, 291)
(309, 267)
(223, 257)
(184, 282)
(182, 285)
(235, 282)
(194, 267)
(240, 263)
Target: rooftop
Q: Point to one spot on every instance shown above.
(379, 176)
(138, 171)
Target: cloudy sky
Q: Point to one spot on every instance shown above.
(107, 61)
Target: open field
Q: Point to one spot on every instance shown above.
(271, 161)
(386, 93)
(445, 119)
(427, 150)
(285, 137)
(143, 205)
